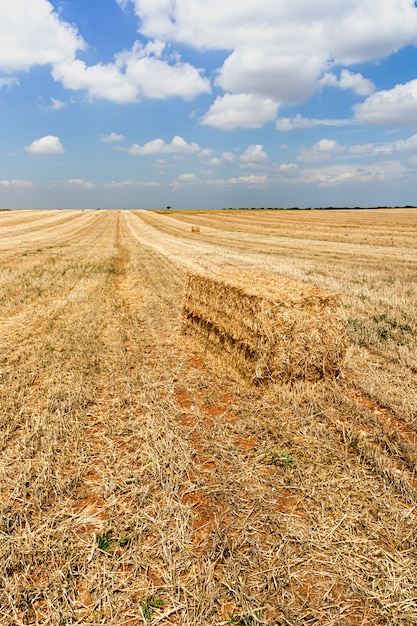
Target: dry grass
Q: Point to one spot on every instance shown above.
(140, 485)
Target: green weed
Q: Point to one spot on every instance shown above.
(149, 604)
(278, 457)
(105, 542)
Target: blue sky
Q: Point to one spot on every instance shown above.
(196, 104)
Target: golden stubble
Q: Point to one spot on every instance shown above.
(141, 484)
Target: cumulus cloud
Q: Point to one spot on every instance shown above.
(349, 80)
(281, 50)
(406, 145)
(158, 146)
(384, 24)
(264, 71)
(46, 145)
(228, 157)
(222, 159)
(240, 110)
(390, 107)
(288, 167)
(183, 179)
(254, 155)
(275, 53)
(356, 82)
(142, 71)
(32, 33)
(320, 151)
(111, 138)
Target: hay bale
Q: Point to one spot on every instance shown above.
(195, 229)
(267, 328)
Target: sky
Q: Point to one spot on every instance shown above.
(197, 104)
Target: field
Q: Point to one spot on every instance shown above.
(142, 484)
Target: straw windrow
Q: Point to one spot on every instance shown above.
(269, 329)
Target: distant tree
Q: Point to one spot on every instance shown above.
(168, 208)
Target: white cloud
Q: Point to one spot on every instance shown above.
(186, 178)
(401, 146)
(252, 180)
(131, 183)
(183, 179)
(139, 72)
(320, 151)
(276, 52)
(254, 155)
(32, 33)
(206, 152)
(361, 149)
(384, 24)
(16, 183)
(111, 137)
(406, 145)
(55, 105)
(240, 110)
(280, 50)
(161, 164)
(287, 123)
(354, 174)
(228, 157)
(266, 71)
(356, 82)
(100, 81)
(396, 107)
(288, 167)
(8, 82)
(158, 146)
(46, 145)
(78, 183)
(349, 80)
(221, 159)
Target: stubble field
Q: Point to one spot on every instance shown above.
(140, 484)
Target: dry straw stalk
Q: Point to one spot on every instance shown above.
(267, 328)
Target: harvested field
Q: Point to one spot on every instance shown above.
(140, 483)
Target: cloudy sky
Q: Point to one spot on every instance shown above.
(205, 104)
